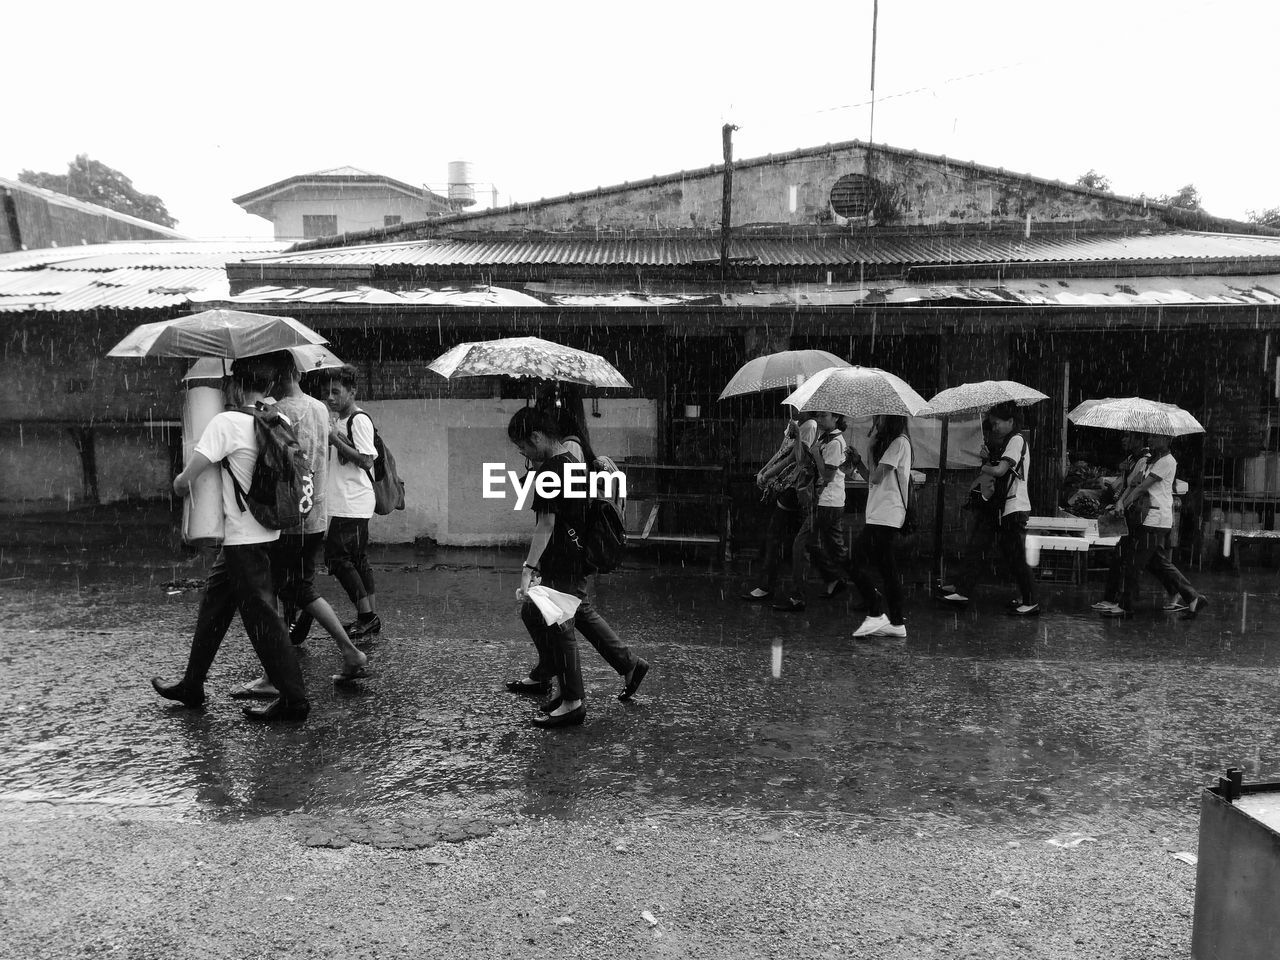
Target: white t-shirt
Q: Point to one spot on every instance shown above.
(230, 436)
(885, 504)
(1160, 516)
(310, 419)
(1017, 452)
(350, 491)
(831, 453)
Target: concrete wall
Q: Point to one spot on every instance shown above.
(356, 207)
(914, 191)
(440, 447)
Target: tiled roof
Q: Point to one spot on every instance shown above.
(146, 275)
(920, 250)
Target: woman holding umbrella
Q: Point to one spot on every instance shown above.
(888, 482)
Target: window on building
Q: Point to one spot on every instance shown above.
(391, 220)
(319, 225)
(853, 195)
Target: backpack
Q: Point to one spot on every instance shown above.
(604, 537)
(1004, 485)
(280, 491)
(388, 488)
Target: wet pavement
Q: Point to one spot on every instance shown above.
(747, 714)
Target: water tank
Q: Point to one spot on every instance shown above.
(462, 191)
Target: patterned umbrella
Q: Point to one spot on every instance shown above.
(215, 333)
(527, 357)
(787, 369)
(971, 399)
(1135, 415)
(857, 392)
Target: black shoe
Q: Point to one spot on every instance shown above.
(277, 710)
(1195, 606)
(550, 706)
(530, 688)
(790, 605)
(573, 718)
(634, 679)
(298, 632)
(187, 696)
(365, 628)
(835, 591)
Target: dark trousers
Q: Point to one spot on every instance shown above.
(241, 580)
(804, 538)
(346, 555)
(1151, 553)
(827, 547)
(1010, 538)
(876, 548)
(293, 564)
(557, 644)
(783, 526)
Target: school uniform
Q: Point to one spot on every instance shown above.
(1005, 526)
(827, 546)
(1151, 543)
(876, 545)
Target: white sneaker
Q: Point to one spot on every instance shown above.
(898, 630)
(1103, 605)
(871, 625)
(955, 598)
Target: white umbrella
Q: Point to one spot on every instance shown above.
(1135, 415)
(788, 368)
(970, 399)
(527, 357)
(215, 333)
(857, 392)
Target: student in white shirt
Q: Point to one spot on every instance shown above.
(241, 578)
(351, 501)
(1006, 521)
(827, 548)
(805, 486)
(776, 482)
(1150, 550)
(888, 488)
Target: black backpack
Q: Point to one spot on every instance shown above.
(388, 488)
(604, 537)
(280, 491)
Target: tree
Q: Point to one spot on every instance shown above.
(1094, 181)
(95, 182)
(1270, 217)
(1188, 198)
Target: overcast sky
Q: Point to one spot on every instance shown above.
(200, 103)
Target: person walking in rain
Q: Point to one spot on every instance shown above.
(351, 501)
(1006, 521)
(827, 547)
(299, 549)
(1151, 542)
(805, 484)
(556, 559)
(776, 483)
(241, 577)
(1133, 470)
(888, 489)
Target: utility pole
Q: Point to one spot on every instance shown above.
(726, 205)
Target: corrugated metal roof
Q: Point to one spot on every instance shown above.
(790, 252)
(142, 253)
(1136, 291)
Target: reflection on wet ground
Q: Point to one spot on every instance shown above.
(747, 711)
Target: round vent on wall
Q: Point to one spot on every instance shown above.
(853, 195)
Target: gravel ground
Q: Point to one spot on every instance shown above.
(77, 884)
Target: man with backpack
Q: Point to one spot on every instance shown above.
(241, 577)
(351, 501)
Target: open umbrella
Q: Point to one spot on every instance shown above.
(787, 369)
(971, 399)
(527, 357)
(312, 356)
(857, 392)
(1135, 415)
(215, 333)
(967, 400)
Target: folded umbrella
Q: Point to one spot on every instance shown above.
(857, 392)
(788, 368)
(1135, 415)
(527, 357)
(215, 333)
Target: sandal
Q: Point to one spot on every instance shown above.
(258, 689)
(349, 673)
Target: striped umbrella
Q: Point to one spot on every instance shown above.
(789, 369)
(972, 399)
(1135, 415)
(857, 392)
